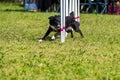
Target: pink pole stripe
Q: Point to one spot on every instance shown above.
(77, 17)
(62, 29)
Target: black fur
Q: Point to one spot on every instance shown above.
(70, 24)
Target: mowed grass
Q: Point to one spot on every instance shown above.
(22, 57)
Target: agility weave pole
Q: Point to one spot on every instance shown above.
(67, 6)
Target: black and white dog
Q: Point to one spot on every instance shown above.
(70, 25)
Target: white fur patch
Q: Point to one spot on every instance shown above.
(69, 28)
(53, 27)
(53, 37)
(66, 34)
(40, 40)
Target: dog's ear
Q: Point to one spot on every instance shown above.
(57, 15)
(51, 17)
(72, 14)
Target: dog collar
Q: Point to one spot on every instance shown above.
(77, 17)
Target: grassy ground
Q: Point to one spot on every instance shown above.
(22, 57)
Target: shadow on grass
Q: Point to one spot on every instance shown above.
(13, 10)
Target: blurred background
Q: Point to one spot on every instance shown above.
(86, 6)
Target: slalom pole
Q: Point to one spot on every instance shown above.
(70, 6)
(66, 8)
(73, 5)
(78, 11)
(62, 12)
(75, 9)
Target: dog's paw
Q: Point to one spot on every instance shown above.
(40, 40)
(66, 34)
(53, 37)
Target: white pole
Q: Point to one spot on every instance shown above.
(62, 3)
(70, 6)
(75, 9)
(66, 6)
(73, 5)
(78, 6)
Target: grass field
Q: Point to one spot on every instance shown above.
(22, 57)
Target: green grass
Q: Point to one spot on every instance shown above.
(22, 57)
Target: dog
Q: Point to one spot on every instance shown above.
(70, 25)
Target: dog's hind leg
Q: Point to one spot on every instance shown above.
(80, 32)
(76, 28)
(69, 30)
(46, 34)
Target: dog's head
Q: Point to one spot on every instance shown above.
(54, 21)
(72, 14)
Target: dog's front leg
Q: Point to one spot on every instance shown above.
(46, 34)
(71, 34)
(55, 35)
